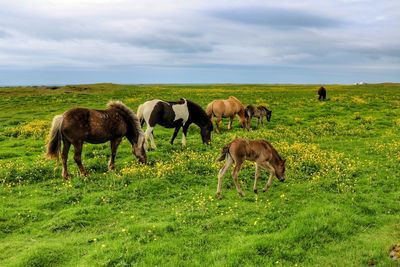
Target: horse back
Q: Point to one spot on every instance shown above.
(163, 114)
(93, 126)
(252, 150)
(235, 105)
(216, 107)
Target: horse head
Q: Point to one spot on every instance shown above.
(242, 116)
(205, 132)
(139, 149)
(269, 114)
(280, 170)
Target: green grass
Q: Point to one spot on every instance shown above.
(339, 205)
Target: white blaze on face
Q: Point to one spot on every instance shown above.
(181, 112)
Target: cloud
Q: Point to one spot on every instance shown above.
(277, 17)
(290, 35)
(3, 34)
(172, 44)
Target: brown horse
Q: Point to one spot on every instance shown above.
(80, 125)
(259, 151)
(226, 108)
(321, 93)
(259, 112)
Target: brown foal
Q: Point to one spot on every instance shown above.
(259, 151)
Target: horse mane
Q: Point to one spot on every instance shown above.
(234, 98)
(127, 113)
(264, 108)
(275, 153)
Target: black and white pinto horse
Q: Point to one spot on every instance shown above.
(174, 115)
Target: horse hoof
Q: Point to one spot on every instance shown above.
(255, 191)
(241, 194)
(218, 196)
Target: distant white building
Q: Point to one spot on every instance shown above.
(359, 83)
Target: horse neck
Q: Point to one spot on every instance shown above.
(199, 117)
(241, 112)
(132, 131)
(276, 159)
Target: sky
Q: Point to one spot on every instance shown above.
(189, 41)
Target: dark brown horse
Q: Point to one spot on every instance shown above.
(79, 125)
(321, 93)
(259, 151)
(227, 108)
(259, 112)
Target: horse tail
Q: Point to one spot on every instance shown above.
(55, 136)
(224, 152)
(209, 109)
(139, 114)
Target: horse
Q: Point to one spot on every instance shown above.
(226, 108)
(322, 93)
(79, 125)
(258, 112)
(174, 115)
(259, 151)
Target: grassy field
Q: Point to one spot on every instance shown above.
(339, 205)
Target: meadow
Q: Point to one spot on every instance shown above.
(339, 205)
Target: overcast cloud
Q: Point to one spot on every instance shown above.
(159, 41)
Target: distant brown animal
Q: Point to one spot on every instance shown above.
(226, 108)
(259, 151)
(321, 93)
(79, 125)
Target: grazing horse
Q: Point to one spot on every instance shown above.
(79, 125)
(258, 112)
(226, 108)
(259, 151)
(174, 115)
(322, 93)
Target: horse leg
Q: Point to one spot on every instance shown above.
(256, 177)
(221, 174)
(235, 177)
(248, 123)
(184, 133)
(77, 157)
(212, 121)
(258, 122)
(64, 158)
(218, 124)
(114, 145)
(153, 145)
(271, 171)
(175, 134)
(230, 123)
(250, 119)
(149, 134)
